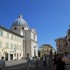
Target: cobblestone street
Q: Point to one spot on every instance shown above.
(49, 66)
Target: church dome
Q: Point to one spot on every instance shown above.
(20, 21)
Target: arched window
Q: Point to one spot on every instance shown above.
(23, 28)
(1, 33)
(15, 28)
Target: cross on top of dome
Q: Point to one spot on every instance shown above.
(20, 16)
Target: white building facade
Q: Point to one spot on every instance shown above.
(30, 44)
(19, 41)
(11, 46)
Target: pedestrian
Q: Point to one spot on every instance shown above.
(60, 64)
(55, 59)
(36, 62)
(28, 62)
(66, 56)
(44, 59)
(2, 63)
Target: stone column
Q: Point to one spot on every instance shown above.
(24, 51)
(8, 56)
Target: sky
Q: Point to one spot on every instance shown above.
(50, 18)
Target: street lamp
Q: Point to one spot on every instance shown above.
(51, 53)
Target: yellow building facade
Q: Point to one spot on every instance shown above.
(45, 49)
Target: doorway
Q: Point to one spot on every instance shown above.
(11, 56)
(6, 56)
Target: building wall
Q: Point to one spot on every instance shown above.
(45, 50)
(34, 36)
(30, 36)
(34, 49)
(11, 44)
(31, 43)
(61, 45)
(28, 42)
(34, 45)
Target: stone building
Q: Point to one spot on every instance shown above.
(27, 39)
(63, 44)
(30, 45)
(11, 46)
(45, 49)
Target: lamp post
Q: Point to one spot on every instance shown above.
(51, 53)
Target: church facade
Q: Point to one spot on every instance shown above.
(19, 41)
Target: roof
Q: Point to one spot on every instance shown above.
(46, 45)
(62, 38)
(1, 27)
(20, 22)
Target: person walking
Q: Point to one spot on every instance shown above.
(44, 59)
(28, 63)
(60, 64)
(36, 62)
(2, 63)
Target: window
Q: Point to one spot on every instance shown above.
(59, 45)
(15, 28)
(18, 39)
(8, 35)
(20, 47)
(14, 46)
(34, 36)
(17, 46)
(15, 37)
(66, 43)
(7, 45)
(0, 44)
(1, 33)
(69, 40)
(12, 36)
(11, 46)
(23, 28)
(14, 54)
